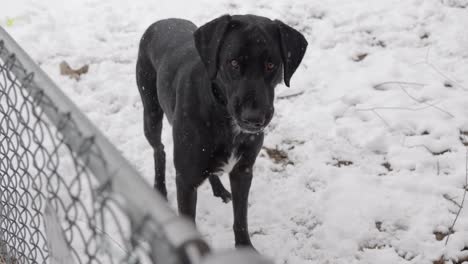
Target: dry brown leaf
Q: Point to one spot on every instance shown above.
(278, 156)
(359, 57)
(65, 69)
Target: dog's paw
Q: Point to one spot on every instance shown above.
(227, 197)
(224, 195)
(247, 246)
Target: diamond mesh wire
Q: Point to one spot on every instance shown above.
(38, 170)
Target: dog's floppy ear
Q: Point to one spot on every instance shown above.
(208, 40)
(293, 46)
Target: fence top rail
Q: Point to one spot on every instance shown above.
(125, 179)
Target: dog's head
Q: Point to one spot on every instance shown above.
(246, 56)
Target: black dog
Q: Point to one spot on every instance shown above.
(216, 86)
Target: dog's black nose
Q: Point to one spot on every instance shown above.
(253, 118)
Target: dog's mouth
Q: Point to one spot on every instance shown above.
(247, 128)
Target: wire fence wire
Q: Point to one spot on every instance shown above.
(53, 208)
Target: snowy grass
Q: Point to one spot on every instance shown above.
(365, 157)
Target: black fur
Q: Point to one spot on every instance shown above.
(215, 84)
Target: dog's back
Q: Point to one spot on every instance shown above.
(165, 38)
(166, 47)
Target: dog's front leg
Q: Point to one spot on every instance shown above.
(218, 189)
(241, 179)
(186, 197)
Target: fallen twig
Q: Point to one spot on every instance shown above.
(426, 103)
(445, 76)
(463, 199)
(288, 96)
(381, 85)
(448, 198)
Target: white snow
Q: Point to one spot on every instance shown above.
(403, 106)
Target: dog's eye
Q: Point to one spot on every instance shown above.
(269, 66)
(235, 64)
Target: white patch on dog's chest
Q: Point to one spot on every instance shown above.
(229, 164)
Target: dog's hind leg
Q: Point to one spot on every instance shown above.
(218, 188)
(153, 118)
(186, 197)
(153, 126)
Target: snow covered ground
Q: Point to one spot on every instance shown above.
(374, 135)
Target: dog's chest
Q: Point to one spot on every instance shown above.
(226, 159)
(228, 151)
(228, 164)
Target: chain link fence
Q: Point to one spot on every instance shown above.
(59, 202)
(66, 194)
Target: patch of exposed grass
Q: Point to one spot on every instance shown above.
(3, 260)
(387, 166)
(359, 57)
(278, 156)
(464, 138)
(341, 163)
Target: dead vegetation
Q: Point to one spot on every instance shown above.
(439, 236)
(378, 225)
(66, 70)
(5, 260)
(278, 156)
(375, 245)
(448, 84)
(382, 243)
(463, 255)
(425, 35)
(289, 96)
(464, 138)
(387, 166)
(341, 163)
(460, 259)
(455, 3)
(438, 153)
(359, 57)
(292, 143)
(4, 256)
